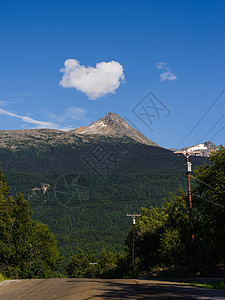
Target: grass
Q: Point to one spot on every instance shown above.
(2, 277)
(210, 285)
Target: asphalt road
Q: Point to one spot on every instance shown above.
(86, 289)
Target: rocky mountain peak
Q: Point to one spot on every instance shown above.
(112, 117)
(113, 125)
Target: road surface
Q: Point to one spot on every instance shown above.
(87, 289)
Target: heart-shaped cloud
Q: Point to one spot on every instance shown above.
(104, 79)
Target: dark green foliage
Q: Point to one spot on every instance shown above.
(84, 200)
(78, 266)
(107, 265)
(86, 207)
(27, 248)
(162, 238)
(175, 242)
(163, 235)
(209, 200)
(45, 256)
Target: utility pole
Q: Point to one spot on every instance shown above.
(189, 199)
(93, 269)
(134, 221)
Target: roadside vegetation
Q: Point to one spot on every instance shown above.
(27, 248)
(212, 285)
(2, 277)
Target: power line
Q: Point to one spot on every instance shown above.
(88, 201)
(204, 183)
(216, 204)
(211, 129)
(201, 119)
(217, 132)
(115, 198)
(211, 202)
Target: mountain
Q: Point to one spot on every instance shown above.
(83, 182)
(114, 126)
(111, 126)
(204, 149)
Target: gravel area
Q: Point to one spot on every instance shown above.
(7, 282)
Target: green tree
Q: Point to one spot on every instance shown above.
(44, 256)
(147, 237)
(78, 266)
(6, 225)
(108, 265)
(27, 248)
(21, 237)
(175, 241)
(209, 202)
(162, 235)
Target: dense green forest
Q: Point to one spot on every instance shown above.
(84, 191)
(86, 211)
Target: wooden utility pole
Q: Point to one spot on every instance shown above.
(134, 221)
(93, 269)
(189, 198)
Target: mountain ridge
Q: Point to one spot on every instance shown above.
(110, 126)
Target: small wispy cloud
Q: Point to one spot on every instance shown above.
(74, 113)
(166, 72)
(70, 114)
(6, 102)
(95, 82)
(40, 124)
(161, 65)
(60, 122)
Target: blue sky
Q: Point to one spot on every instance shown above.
(159, 64)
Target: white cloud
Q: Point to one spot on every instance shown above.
(59, 122)
(167, 74)
(71, 113)
(104, 79)
(6, 102)
(26, 119)
(161, 65)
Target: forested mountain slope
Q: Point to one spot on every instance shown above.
(84, 190)
(84, 181)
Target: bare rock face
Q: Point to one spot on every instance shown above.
(113, 125)
(15, 139)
